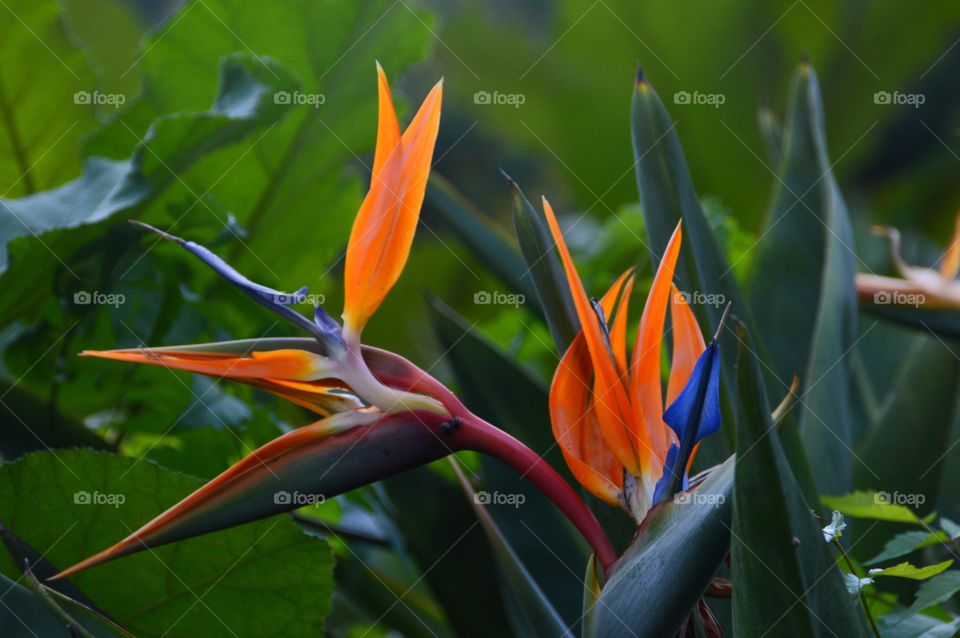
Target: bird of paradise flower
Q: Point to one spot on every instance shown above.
(381, 414)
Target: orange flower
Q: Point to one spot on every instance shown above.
(607, 410)
(383, 229)
(328, 373)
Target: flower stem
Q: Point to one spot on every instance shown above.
(863, 597)
(473, 433)
(357, 375)
(478, 435)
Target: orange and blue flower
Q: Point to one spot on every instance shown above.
(607, 409)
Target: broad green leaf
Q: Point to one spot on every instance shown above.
(271, 579)
(907, 542)
(917, 626)
(950, 528)
(805, 264)
(667, 196)
(906, 570)
(448, 205)
(533, 615)
(657, 582)
(243, 104)
(543, 267)
(48, 98)
(510, 397)
(875, 506)
(110, 31)
(784, 574)
(934, 591)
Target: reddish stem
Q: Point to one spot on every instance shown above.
(478, 435)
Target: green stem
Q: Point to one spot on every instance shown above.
(862, 596)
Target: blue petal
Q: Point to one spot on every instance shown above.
(680, 415)
(323, 328)
(328, 325)
(660, 491)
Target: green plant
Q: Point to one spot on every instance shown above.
(672, 533)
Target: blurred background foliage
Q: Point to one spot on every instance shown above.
(199, 144)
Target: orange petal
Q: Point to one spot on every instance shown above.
(295, 375)
(688, 344)
(572, 414)
(280, 364)
(320, 397)
(610, 396)
(383, 230)
(645, 363)
(616, 303)
(951, 259)
(576, 428)
(388, 129)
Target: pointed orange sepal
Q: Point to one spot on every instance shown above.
(296, 375)
(572, 412)
(645, 363)
(276, 364)
(611, 401)
(383, 230)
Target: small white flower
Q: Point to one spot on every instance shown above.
(855, 584)
(835, 529)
